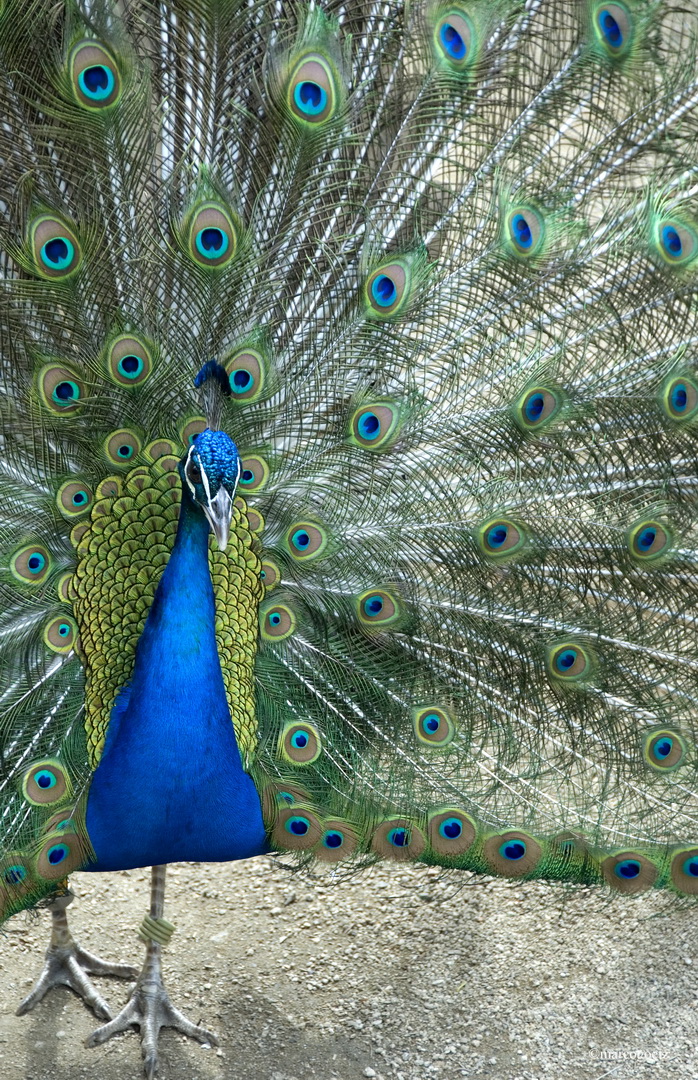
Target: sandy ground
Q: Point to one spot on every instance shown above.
(397, 974)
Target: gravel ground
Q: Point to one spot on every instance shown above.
(396, 973)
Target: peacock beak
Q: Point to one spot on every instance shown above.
(219, 511)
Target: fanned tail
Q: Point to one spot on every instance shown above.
(447, 256)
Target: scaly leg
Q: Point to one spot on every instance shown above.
(67, 964)
(149, 1007)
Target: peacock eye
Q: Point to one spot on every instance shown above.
(680, 398)
(614, 28)
(570, 662)
(122, 446)
(501, 538)
(312, 90)
(451, 832)
(46, 782)
(378, 607)
(374, 426)
(31, 563)
(277, 622)
(538, 407)
(678, 244)
(387, 289)
(306, 540)
(54, 247)
(194, 473)
(95, 76)
(664, 749)
(270, 574)
(254, 472)
(61, 390)
(301, 744)
(74, 498)
(212, 236)
(434, 727)
(246, 374)
(61, 634)
(649, 540)
(128, 360)
(525, 231)
(454, 39)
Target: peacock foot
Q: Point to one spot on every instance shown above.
(67, 964)
(149, 1009)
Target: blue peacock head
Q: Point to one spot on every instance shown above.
(211, 468)
(211, 471)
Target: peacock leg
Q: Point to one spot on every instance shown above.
(149, 1007)
(67, 964)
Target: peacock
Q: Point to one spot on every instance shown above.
(349, 449)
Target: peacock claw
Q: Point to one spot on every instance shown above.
(67, 964)
(149, 1009)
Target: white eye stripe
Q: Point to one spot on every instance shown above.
(186, 470)
(204, 479)
(207, 488)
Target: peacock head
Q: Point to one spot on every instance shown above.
(211, 471)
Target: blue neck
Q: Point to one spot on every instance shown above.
(180, 628)
(170, 785)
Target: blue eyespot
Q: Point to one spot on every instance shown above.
(679, 397)
(663, 747)
(130, 366)
(497, 536)
(58, 853)
(399, 838)
(241, 381)
(450, 829)
(513, 850)
(672, 241)
(310, 98)
(627, 869)
(431, 722)
(565, 659)
(300, 739)
(36, 562)
(64, 629)
(14, 875)
(275, 618)
(384, 290)
(534, 406)
(58, 253)
(298, 826)
(66, 393)
(453, 43)
(690, 866)
(369, 426)
(125, 451)
(610, 29)
(333, 839)
(246, 476)
(645, 538)
(521, 232)
(211, 242)
(96, 82)
(373, 606)
(79, 498)
(46, 779)
(300, 539)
